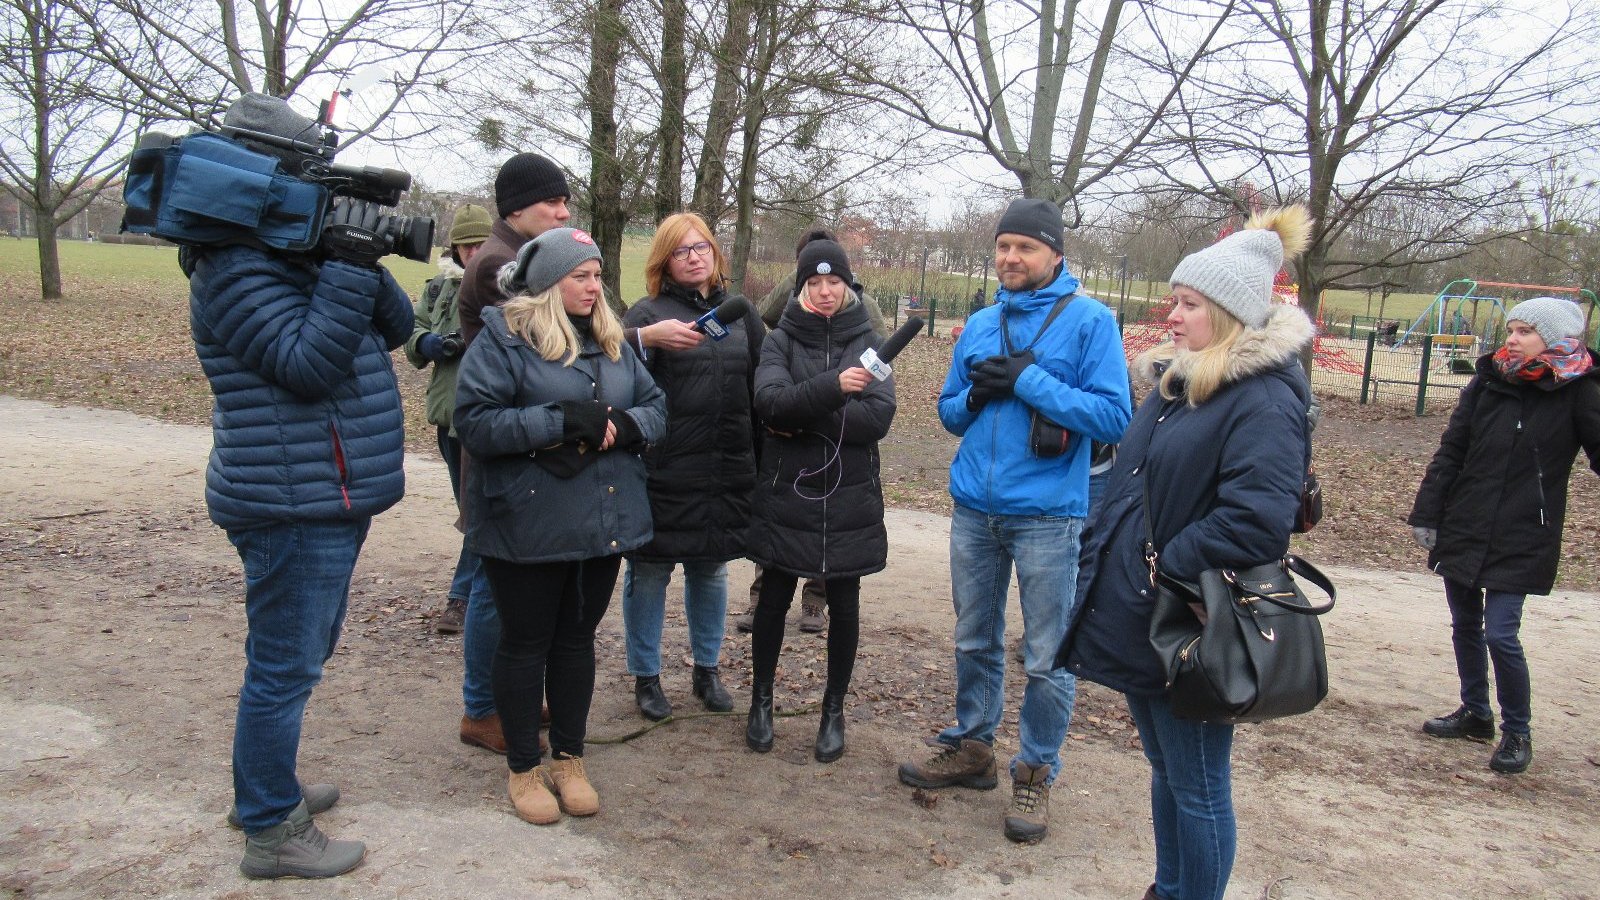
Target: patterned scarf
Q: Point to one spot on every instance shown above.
(1564, 360)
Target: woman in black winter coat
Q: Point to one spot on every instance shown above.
(701, 473)
(554, 411)
(1209, 471)
(818, 509)
(1492, 504)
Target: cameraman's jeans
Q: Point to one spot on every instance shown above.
(481, 629)
(296, 587)
(644, 607)
(982, 551)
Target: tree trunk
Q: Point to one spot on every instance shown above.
(711, 175)
(746, 194)
(49, 256)
(607, 217)
(674, 88)
(1313, 280)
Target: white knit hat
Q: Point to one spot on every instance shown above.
(1237, 272)
(1553, 317)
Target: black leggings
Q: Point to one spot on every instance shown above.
(844, 626)
(548, 616)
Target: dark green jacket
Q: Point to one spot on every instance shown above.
(436, 314)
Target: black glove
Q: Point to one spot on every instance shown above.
(629, 437)
(353, 232)
(583, 420)
(979, 394)
(998, 374)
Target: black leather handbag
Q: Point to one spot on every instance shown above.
(1241, 645)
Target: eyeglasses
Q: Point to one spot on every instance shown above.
(703, 248)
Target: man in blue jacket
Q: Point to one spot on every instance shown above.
(1034, 378)
(307, 448)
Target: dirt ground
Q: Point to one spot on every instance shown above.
(122, 655)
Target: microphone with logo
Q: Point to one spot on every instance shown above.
(878, 361)
(715, 323)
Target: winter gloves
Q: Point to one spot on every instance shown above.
(997, 377)
(353, 232)
(1426, 538)
(583, 421)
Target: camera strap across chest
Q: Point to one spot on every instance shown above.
(1005, 330)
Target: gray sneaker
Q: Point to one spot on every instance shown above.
(295, 848)
(319, 798)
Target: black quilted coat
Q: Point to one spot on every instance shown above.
(1497, 487)
(702, 473)
(817, 516)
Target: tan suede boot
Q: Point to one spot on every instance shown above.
(533, 800)
(571, 786)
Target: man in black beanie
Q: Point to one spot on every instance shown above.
(530, 196)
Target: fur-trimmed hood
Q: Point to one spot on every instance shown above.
(1287, 332)
(449, 267)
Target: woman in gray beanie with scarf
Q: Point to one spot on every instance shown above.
(554, 412)
(1207, 476)
(1492, 504)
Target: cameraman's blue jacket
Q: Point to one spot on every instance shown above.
(307, 422)
(1079, 381)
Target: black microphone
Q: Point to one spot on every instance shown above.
(877, 361)
(715, 322)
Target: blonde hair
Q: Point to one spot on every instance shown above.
(669, 234)
(850, 297)
(541, 320)
(1201, 371)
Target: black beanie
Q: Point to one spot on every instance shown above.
(822, 257)
(524, 180)
(1037, 219)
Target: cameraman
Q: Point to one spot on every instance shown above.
(437, 339)
(307, 448)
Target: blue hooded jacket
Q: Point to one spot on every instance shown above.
(1079, 381)
(307, 423)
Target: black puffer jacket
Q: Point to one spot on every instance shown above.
(702, 473)
(1497, 487)
(813, 518)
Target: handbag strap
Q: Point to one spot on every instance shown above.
(1299, 567)
(1005, 332)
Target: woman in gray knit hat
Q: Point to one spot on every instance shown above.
(1491, 507)
(555, 412)
(1207, 476)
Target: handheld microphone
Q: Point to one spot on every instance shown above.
(877, 361)
(715, 322)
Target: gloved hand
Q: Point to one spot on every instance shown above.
(431, 346)
(1426, 538)
(629, 437)
(583, 420)
(999, 374)
(353, 232)
(979, 394)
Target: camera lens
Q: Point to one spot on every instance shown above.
(410, 236)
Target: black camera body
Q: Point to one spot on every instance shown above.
(210, 188)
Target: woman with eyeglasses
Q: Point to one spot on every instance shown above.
(702, 473)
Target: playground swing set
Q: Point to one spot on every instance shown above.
(1459, 334)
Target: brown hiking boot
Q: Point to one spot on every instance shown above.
(1029, 816)
(452, 618)
(484, 732)
(813, 600)
(532, 799)
(746, 621)
(969, 765)
(571, 786)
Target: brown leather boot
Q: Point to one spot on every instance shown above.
(1029, 816)
(969, 765)
(484, 732)
(532, 799)
(571, 786)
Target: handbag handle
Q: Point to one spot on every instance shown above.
(1299, 567)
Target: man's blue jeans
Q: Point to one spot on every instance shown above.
(982, 551)
(1191, 799)
(1486, 625)
(644, 607)
(296, 587)
(481, 630)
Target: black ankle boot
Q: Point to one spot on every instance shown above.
(1514, 753)
(758, 728)
(708, 687)
(830, 734)
(652, 702)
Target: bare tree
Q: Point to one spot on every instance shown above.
(58, 143)
(674, 78)
(1361, 107)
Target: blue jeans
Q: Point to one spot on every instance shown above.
(1045, 551)
(481, 630)
(296, 587)
(1191, 799)
(644, 607)
(1485, 625)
